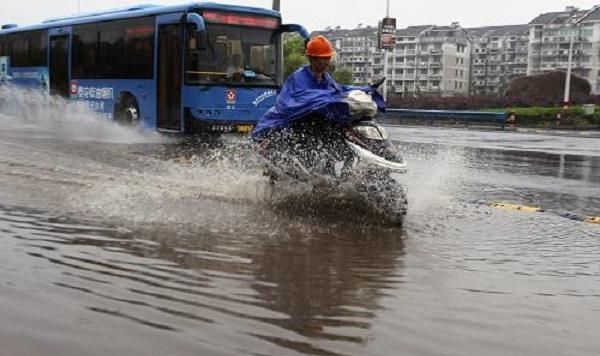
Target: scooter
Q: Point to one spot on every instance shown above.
(322, 153)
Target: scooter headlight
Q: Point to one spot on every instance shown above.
(383, 132)
(372, 132)
(369, 132)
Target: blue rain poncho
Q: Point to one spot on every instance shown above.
(303, 94)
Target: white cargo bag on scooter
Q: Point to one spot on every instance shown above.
(361, 104)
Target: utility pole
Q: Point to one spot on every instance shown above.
(277, 7)
(385, 56)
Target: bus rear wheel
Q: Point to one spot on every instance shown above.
(128, 112)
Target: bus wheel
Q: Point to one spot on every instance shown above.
(128, 112)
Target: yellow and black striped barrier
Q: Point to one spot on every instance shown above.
(592, 219)
(537, 209)
(529, 209)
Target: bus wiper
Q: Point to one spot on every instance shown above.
(251, 72)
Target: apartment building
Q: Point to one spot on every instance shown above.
(451, 60)
(427, 60)
(550, 36)
(355, 50)
(498, 55)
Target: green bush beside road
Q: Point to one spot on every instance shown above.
(548, 117)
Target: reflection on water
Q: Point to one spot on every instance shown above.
(572, 167)
(287, 292)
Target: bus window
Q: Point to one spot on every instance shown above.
(234, 56)
(38, 48)
(20, 50)
(27, 49)
(121, 49)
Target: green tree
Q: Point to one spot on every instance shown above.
(293, 53)
(342, 75)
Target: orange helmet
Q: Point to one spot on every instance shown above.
(319, 47)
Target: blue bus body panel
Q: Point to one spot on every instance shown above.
(228, 104)
(30, 77)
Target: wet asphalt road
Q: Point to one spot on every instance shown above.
(151, 248)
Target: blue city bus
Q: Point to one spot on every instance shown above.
(200, 67)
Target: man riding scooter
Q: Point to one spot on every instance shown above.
(325, 134)
(309, 106)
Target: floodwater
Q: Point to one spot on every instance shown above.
(116, 242)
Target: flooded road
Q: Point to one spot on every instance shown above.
(151, 248)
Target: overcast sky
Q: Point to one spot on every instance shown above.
(318, 14)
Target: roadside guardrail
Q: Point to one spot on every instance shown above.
(466, 117)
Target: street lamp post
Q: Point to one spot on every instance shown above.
(567, 97)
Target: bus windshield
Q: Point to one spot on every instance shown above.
(235, 55)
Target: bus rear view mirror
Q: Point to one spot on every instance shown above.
(295, 28)
(201, 39)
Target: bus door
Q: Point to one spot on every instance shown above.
(59, 65)
(170, 74)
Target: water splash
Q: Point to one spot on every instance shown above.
(435, 176)
(37, 113)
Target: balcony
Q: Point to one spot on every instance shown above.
(433, 40)
(435, 51)
(435, 64)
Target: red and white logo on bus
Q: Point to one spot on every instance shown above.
(74, 87)
(231, 96)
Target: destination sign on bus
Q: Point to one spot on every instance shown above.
(241, 20)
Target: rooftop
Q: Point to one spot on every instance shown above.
(498, 31)
(558, 18)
